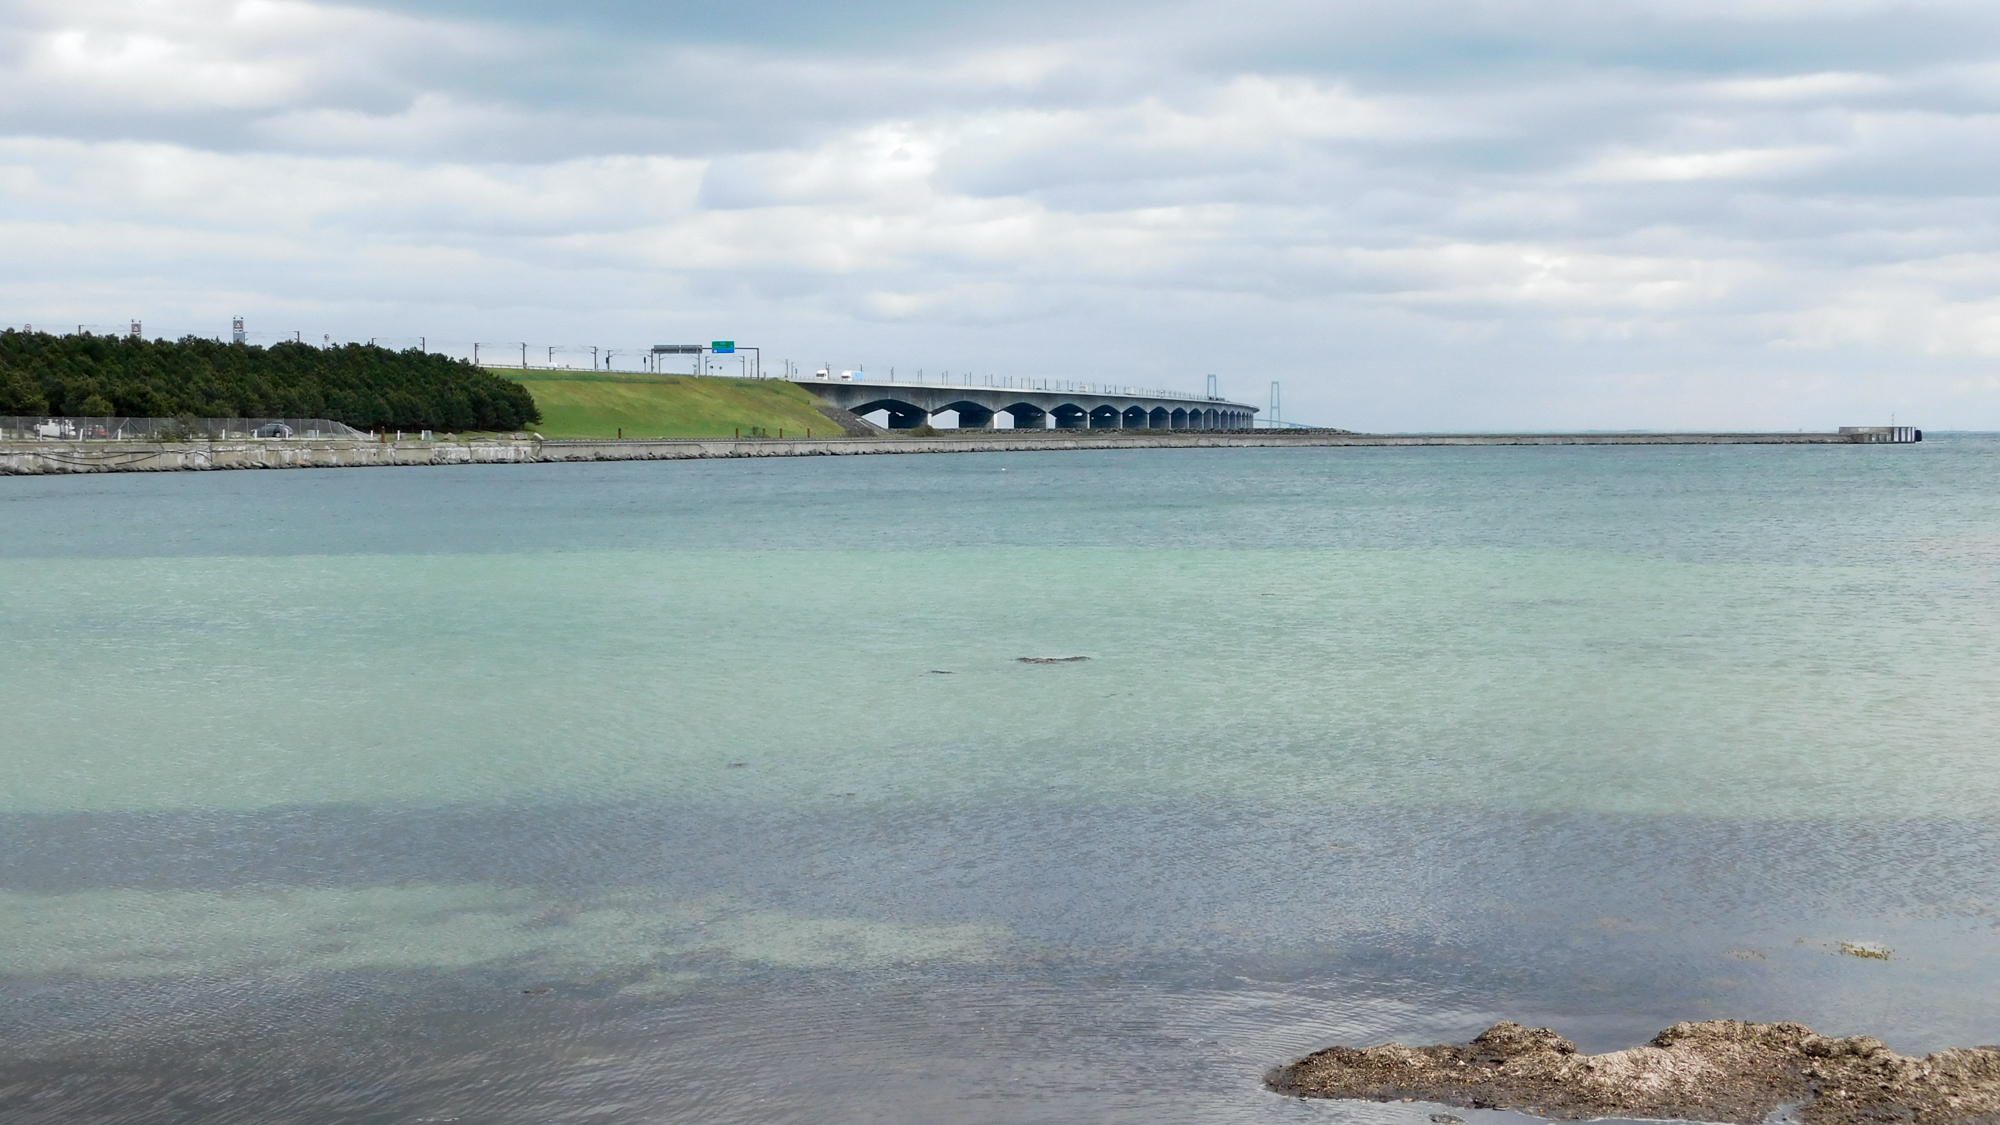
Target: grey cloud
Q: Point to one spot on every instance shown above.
(893, 27)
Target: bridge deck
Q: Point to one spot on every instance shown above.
(911, 404)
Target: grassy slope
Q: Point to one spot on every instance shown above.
(585, 405)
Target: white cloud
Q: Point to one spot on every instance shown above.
(1802, 87)
(1729, 164)
(120, 57)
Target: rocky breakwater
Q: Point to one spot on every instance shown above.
(1721, 1071)
(45, 457)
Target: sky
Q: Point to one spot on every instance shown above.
(1573, 214)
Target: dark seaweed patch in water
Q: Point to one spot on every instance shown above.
(1052, 659)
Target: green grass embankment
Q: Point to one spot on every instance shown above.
(583, 404)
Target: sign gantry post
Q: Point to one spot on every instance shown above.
(676, 349)
(728, 347)
(701, 352)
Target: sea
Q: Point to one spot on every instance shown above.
(747, 791)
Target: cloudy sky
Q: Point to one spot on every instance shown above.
(1415, 214)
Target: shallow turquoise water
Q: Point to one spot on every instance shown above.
(310, 775)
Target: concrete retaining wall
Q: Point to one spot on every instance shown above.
(39, 457)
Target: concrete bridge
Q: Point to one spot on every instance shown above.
(1036, 406)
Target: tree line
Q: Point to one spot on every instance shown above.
(365, 386)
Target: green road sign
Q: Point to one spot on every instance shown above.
(723, 346)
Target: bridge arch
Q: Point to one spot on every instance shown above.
(971, 415)
(1027, 416)
(1106, 418)
(902, 415)
(1070, 416)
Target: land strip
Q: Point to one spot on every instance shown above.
(64, 456)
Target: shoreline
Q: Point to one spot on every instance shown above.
(46, 457)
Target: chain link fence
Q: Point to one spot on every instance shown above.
(49, 428)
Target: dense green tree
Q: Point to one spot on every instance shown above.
(364, 386)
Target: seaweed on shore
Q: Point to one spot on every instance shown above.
(1718, 1071)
